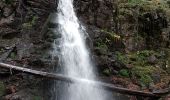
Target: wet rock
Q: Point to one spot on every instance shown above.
(11, 35)
(95, 12)
(156, 77)
(167, 97)
(36, 62)
(101, 50)
(102, 61)
(4, 73)
(21, 95)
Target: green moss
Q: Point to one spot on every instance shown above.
(2, 89)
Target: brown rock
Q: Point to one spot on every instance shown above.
(11, 89)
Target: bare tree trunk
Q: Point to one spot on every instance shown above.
(96, 84)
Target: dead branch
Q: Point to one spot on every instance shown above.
(83, 81)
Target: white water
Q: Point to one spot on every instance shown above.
(74, 59)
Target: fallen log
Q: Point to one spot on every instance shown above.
(97, 84)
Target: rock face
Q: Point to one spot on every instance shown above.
(99, 13)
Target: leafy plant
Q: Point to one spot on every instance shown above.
(13, 55)
(124, 72)
(107, 72)
(135, 1)
(145, 80)
(143, 73)
(121, 57)
(31, 23)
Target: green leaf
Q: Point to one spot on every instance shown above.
(124, 72)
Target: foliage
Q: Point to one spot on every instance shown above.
(101, 44)
(124, 72)
(135, 1)
(31, 23)
(37, 98)
(141, 69)
(2, 88)
(158, 3)
(121, 57)
(143, 73)
(113, 35)
(107, 72)
(12, 55)
(136, 58)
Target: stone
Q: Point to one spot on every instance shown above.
(156, 77)
(11, 89)
(152, 59)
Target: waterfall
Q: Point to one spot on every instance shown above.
(74, 56)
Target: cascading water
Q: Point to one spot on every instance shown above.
(74, 56)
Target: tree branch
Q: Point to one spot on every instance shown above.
(96, 84)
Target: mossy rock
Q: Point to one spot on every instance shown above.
(2, 88)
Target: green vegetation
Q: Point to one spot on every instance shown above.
(124, 72)
(142, 69)
(13, 55)
(112, 35)
(136, 58)
(107, 72)
(2, 88)
(37, 98)
(143, 73)
(31, 23)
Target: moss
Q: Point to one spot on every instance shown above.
(2, 88)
